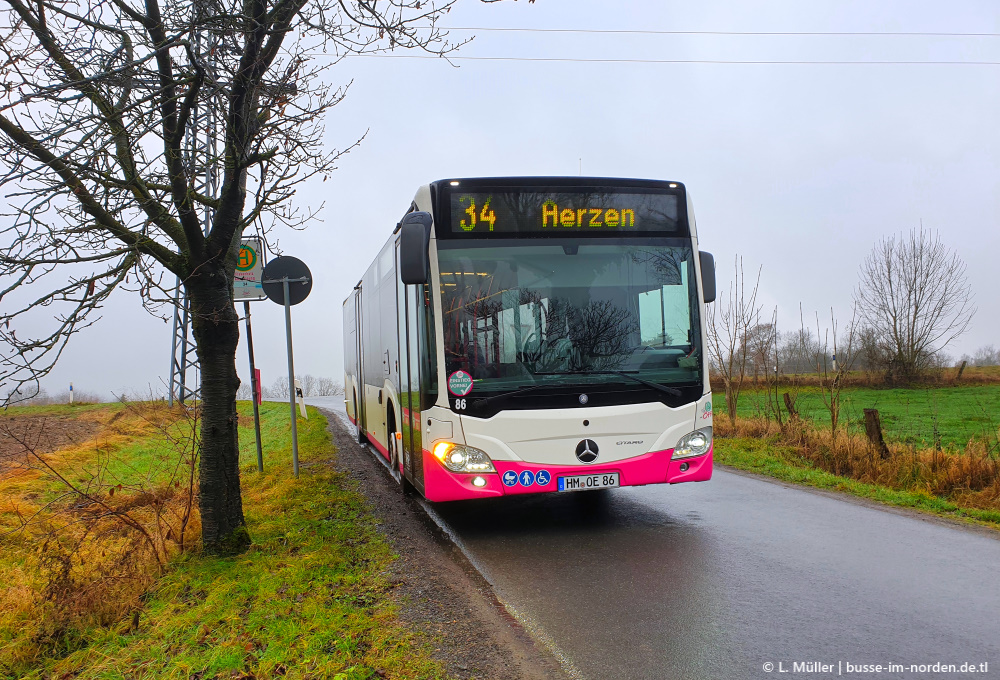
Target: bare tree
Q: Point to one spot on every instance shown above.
(987, 355)
(768, 355)
(308, 383)
(914, 298)
(278, 389)
(245, 392)
(834, 357)
(796, 351)
(729, 326)
(760, 340)
(328, 387)
(97, 100)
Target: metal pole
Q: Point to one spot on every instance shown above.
(173, 343)
(291, 378)
(253, 387)
(182, 373)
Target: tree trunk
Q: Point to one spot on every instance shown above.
(873, 428)
(216, 332)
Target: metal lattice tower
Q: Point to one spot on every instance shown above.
(201, 140)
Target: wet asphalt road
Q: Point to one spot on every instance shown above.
(712, 580)
(715, 579)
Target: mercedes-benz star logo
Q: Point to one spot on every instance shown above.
(586, 451)
(584, 398)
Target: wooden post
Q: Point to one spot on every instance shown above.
(790, 405)
(873, 428)
(960, 369)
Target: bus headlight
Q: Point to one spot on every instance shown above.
(695, 443)
(460, 458)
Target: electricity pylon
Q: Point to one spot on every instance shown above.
(202, 158)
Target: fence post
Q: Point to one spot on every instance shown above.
(790, 405)
(873, 428)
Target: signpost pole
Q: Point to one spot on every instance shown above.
(291, 378)
(253, 387)
(280, 272)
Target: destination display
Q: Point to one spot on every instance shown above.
(562, 211)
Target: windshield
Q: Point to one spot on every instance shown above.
(568, 311)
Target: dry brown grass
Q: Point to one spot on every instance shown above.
(969, 477)
(84, 532)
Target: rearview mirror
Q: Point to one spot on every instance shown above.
(414, 239)
(707, 276)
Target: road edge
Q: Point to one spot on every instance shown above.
(837, 494)
(533, 656)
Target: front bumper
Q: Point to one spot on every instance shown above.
(655, 467)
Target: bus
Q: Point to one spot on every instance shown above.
(521, 335)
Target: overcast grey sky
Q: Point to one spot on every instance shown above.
(798, 168)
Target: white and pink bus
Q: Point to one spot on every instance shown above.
(535, 334)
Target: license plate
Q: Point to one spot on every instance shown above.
(605, 480)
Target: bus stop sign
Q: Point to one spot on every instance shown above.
(249, 268)
(298, 275)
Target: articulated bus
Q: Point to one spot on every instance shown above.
(524, 335)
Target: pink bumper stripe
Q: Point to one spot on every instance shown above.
(650, 468)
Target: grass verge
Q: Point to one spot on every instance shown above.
(769, 456)
(310, 599)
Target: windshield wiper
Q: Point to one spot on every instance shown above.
(672, 391)
(521, 389)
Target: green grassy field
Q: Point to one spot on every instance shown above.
(309, 599)
(908, 415)
(914, 420)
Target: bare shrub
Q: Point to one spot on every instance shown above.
(830, 369)
(80, 397)
(28, 395)
(35, 395)
(729, 324)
